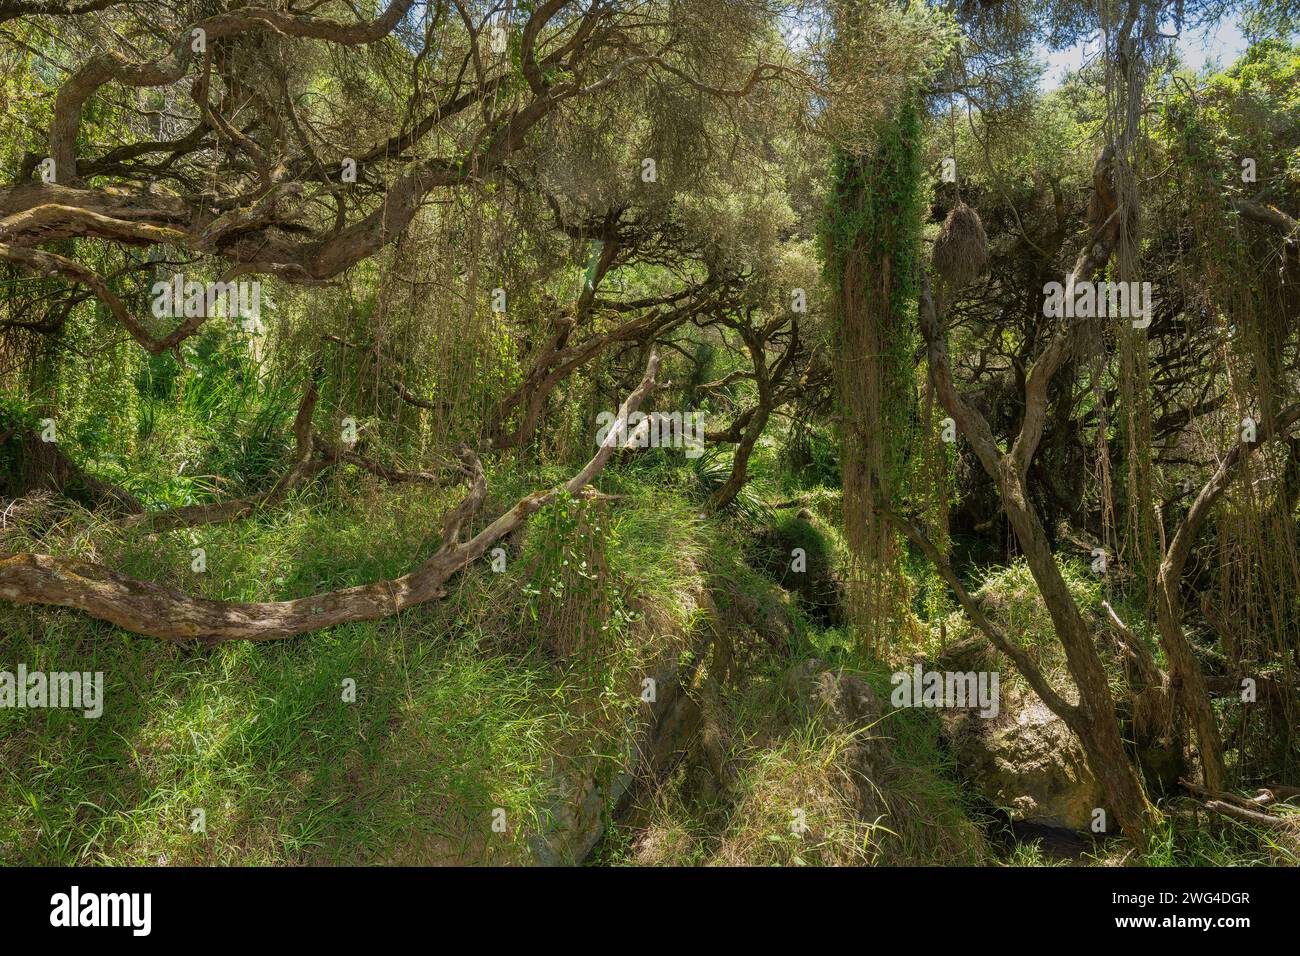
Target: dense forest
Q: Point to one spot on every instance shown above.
(649, 432)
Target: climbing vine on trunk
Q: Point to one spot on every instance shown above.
(871, 237)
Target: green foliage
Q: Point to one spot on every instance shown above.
(1248, 111)
(518, 684)
(710, 471)
(574, 602)
(875, 212)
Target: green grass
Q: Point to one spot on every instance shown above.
(787, 758)
(451, 721)
(260, 738)
(1218, 842)
(465, 708)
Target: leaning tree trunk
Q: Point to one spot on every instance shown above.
(1097, 723)
(1094, 721)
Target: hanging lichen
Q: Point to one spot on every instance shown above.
(871, 237)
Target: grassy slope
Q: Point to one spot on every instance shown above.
(457, 712)
(463, 706)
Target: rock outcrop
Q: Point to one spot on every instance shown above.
(1026, 761)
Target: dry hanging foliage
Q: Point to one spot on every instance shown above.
(156, 611)
(961, 250)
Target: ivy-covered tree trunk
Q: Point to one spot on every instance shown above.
(871, 236)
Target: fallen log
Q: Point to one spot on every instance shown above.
(157, 611)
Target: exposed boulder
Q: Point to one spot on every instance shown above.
(1026, 761)
(576, 818)
(847, 705)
